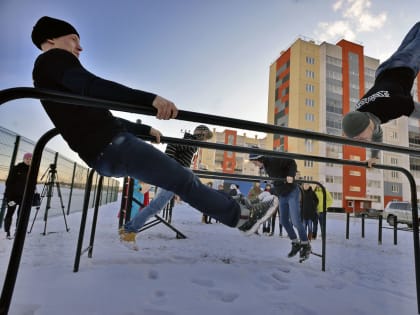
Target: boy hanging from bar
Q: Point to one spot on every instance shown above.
(390, 97)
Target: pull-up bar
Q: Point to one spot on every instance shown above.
(43, 94)
(24, 92)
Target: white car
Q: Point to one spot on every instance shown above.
(398, 211)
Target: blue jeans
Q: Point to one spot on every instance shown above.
(407, 55)
(320, 218)
(308, 223)
(290, 215)
(128, 155)
(160, 200)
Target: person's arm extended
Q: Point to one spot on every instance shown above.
(65, 70)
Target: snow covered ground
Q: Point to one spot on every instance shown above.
(216, 270)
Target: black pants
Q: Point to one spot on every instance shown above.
(8, 218)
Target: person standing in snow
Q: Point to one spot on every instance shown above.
(15, 187)
(288, 194)
(309, 205)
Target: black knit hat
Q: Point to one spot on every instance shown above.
(48, 28)
(354, 123)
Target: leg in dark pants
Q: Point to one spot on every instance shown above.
(8, 218)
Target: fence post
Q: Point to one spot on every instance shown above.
(380, 229)
(363, 225)
(71, 188)
(347, 225)
(395, 229)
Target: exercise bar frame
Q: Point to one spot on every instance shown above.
(43, 94)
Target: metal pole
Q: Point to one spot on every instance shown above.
(347, 225)
(71, 187)
(363, 225)
(95, 216)
(83, 221)
(380, 230)
(19, 241)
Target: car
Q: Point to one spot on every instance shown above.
(398, 212)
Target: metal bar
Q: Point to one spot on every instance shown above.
(95, 216)
(25, 208)
(380, 229)
(22, 92)
(44, 94)
(83, 221)
(71, 188)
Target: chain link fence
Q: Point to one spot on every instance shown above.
(68, 178)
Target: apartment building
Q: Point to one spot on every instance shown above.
(311, 86)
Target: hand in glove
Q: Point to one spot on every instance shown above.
(11, 203)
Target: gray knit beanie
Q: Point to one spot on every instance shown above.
(354, 123)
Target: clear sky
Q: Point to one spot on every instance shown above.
(207, 56)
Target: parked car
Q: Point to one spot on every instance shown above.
(373, 213)
(398, 211)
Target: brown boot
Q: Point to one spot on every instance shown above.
(309, 236)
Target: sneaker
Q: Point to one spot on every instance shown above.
(258, 213)
(295, 249)
(305, 251)
(128, 239)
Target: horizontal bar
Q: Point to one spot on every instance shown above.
(43, 94)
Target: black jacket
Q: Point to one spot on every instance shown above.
(390, 97)
(15, 183)
(309, 204)
(87, 130)
(281, 168)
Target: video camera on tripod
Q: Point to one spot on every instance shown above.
(47, 191)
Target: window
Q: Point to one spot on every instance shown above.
(355, 173)
(394, 161)
(337, 195)
(333, 179)
(309, 102)
(394, 174)
(395, 188)
(309, 117)
(393, 135)
(354, 188)
(309, 88)
(310, 60)
(308, 163)
(355, 157)
(374, 183)
(308, 145)
(310, 74)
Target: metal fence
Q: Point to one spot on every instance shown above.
(71, 176)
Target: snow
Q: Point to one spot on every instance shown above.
(216, 270)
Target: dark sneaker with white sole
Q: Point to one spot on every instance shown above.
(305, 252)
(255, 213)
(295, 249)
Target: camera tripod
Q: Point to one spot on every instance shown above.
(47, 191)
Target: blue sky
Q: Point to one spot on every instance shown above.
(206, 56)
